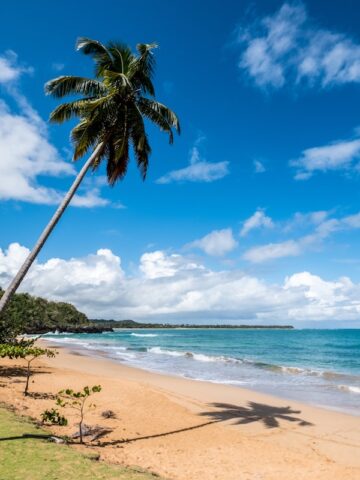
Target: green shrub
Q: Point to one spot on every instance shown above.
(26, 350)
(78, 401)
(53, 417)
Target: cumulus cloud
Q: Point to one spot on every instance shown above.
(199, 169)
(26, 154)
(157, 264)
(287, 48)
(340, 155)
(257, 220)
(170, 287)
(325, 298)
(216, 243)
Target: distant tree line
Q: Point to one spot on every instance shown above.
(132, 324)
(27, 314)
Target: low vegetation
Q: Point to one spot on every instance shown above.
(25, 454)
(27, 351)
(79, 402)
(53, 417)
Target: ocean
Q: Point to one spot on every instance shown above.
(321, 367)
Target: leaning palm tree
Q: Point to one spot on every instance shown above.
(111, 112)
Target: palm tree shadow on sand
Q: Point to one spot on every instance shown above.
(269, 415)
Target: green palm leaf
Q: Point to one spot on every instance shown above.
(113, 105)
(69, 85)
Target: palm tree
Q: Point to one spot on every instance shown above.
(111, 112)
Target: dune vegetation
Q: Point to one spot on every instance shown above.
(26, 453)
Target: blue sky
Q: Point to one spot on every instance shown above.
(258, 197)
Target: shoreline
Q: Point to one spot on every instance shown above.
(349, 406)
(159, 379)
(155, 378)
(182, 428)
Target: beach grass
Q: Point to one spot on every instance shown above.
(35, 458)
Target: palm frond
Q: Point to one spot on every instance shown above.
(142, 68)
(122, 57)
(70, 85)
(146, 59)
(85, 135)
(91, 47)
(142, 149)
(153, 114)
(161, 110)
(158, 119)
(118, 160)
(100, 53)
(66, 111)
(143, 83)
(119, 78)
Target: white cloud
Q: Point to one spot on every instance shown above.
(257, 220)
(272, 251)
(352, 221)
(326, 299)
(172, 287)
(10, 70)
(317, 289)
(322, 231)
(26, 152)
(199, 170)
(216, 243)
(158, 264)
(303, 220)
(294, 247)
(259, 167)
(340, 155)
(287, 47)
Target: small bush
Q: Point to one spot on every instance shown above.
(78, 401)
(54, 417)
(26, 350)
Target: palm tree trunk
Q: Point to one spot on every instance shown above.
(48, 229)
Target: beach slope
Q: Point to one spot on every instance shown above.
(184, 429)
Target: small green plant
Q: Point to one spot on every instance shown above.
(53, 417)
(78, 401)
(28, 352)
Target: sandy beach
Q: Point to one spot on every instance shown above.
(183, 429)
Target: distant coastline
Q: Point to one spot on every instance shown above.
(49, 316)
(126, 324)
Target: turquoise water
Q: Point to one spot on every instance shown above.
(318, 366)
